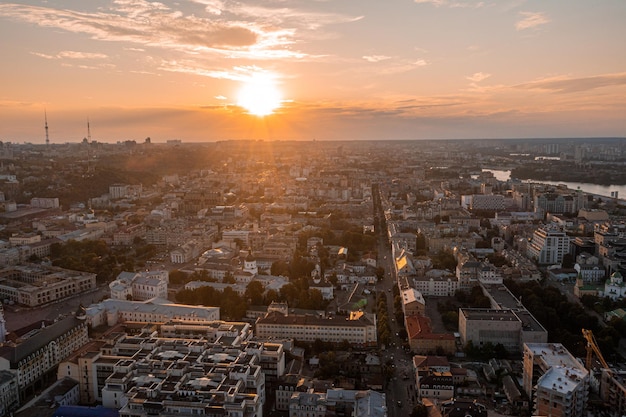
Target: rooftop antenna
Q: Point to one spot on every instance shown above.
(46, 124)
(88, 131)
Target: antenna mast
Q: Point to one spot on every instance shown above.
(46, 124)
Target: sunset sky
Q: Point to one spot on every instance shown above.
(342, 69)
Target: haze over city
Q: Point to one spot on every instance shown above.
(205, 70)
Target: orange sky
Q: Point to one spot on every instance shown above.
(345, 69)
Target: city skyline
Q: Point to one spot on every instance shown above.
(327, 70)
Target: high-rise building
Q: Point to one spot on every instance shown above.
(548, 246)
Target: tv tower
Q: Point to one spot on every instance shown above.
(46, 124)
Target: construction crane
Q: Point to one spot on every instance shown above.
(592, 347)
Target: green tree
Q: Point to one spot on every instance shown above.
(254, 292)
(178, 277)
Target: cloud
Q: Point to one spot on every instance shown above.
(252, 32)
(72, 55)
(531, 20)
(478, 77)
(575, 85)
(214, 7)
(239, 73)
(376, 58)
(453, 4)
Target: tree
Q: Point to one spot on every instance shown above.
(177, 277)
(420, 410)
(254, 292)
(280, 268)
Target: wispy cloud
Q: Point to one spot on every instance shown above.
(575, 85)
(72, 55)
(252, 32)
(478, 77)
(468, 4)
(531, 20)
(376, 58)
(240, 73)
(211, 6)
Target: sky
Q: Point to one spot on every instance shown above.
(334, 69)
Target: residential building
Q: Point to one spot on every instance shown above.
(423, 341)
(412, 302)
(437, 385)
(338, 402)
(548, 247)
(33, 285)
(9, 393)
(156, 310)
(358, 329)
(34, 360)
(199, 379)
(555, 380)
(140, 286)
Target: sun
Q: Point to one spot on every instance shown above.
(259, 95)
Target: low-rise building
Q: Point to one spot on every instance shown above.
(33, 285)
(140, 286)
(423, 341)
(437, 385)
(156, 310)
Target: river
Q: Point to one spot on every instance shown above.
(596, 189)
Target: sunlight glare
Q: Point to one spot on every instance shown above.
(259, 95)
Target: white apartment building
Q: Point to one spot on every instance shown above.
(548, 247)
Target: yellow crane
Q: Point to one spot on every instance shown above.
(592, 347)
